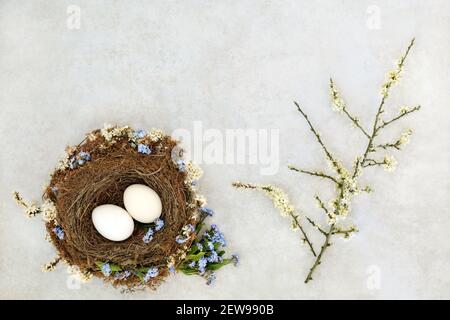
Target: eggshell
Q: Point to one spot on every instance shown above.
(112, 222)
(142, 203)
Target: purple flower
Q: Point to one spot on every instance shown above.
(172, 269)
(217, 236)
(210, 245)
(189, 228)
(139, 134)
(181, 239)
(122, 275)
(199, 246)
(106, 269)
(235, 259)
(85, 156)
(73, 163)
(151, 273)
(59, 232)
(159, 224)
(181, 165)
(144, 149)
(211, 278)
(207, 211)
(54, 190)
(202, 264)
(213, 257)
(148, 236)
(192, 264)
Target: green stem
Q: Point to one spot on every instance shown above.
(314, 173)
(324, 247)
(356, 122)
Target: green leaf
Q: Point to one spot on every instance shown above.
(217, 266)
(195, 257)
(189, 271)
(115, 267)
(140, 276)
(199, 227)
(194, 249)
(99, 264)
(142, 270)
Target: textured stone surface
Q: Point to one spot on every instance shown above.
(236, 64)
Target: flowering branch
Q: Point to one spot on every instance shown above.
(346, 181)
(403, 112)
(31, 209)
(314, 224)
(340, 106)
(318, 260)
(314, 173)
(345, 232)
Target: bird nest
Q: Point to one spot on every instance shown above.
(97, 172)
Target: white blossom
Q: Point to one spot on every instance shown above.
(111, 133)
(404, 137)
(48, 210)
(404, 109)
(337, 102)
(156, 135)
(389, 163)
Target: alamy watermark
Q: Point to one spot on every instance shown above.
(373, 281)
(373, 21)
(73, 21)
(231, 146)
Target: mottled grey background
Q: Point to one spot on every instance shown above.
(236, 64)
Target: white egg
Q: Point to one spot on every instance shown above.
(142, 203)
(112, 222)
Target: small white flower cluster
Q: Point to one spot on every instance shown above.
(92, 136)
(347, 189)
(51, 265)
(391, 79)
(279, 199)
(347, 232)
(404, 109)
(112, 133)
(48, 210)
(156, 135)
(404, 137)
(194, 173)
(31, 209)
(389, 163)
(64, 163)
(337, 167)
(200, 200)
(187, 230)
(181, 253)
(393, 76)
(337, 102)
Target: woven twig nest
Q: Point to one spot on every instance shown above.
(97, 172)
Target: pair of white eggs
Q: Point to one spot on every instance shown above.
(116, 224)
